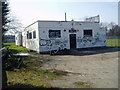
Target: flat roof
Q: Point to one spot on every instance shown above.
(59, 21)
(64, 21)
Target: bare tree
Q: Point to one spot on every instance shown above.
(107, 25)
(14, 26)
(10, 23)
(114, 31)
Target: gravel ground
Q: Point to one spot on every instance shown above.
(96, 70)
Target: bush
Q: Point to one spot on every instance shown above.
(10, 61)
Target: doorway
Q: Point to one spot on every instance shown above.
(72, 41)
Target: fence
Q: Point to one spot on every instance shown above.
(112, 37)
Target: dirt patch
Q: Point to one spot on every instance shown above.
(97, 70)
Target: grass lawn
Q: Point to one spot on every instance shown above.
(30, 75)
(13, 47)
(17, 49)
(113, 42)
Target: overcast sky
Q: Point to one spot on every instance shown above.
(29, 11)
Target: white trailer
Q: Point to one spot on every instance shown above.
(43, 36)
(18, 39)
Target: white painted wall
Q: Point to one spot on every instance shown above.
(24, 39)
(33, 43)
(18, 39)
(43, 43)
(47, 44)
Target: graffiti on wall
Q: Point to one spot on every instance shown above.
(50, 43)
(85, 41)
(45, 42)
(89, 40)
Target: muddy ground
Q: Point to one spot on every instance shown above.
(94, 68)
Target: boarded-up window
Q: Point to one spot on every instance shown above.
(34, 34)
(54, 33)
(88, 32)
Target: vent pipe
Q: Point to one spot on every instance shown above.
(65, 17)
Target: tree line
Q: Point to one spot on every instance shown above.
(114, 31)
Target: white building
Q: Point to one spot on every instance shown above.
(43, 36)
(18, 39)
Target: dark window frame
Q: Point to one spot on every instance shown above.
(54, 33)
(29, 35)
(34, 34)
(88, 32)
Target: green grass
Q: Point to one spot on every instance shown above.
(113, 43)
(18, 49)
(14, 48)
(79, 83)
(31, 74)
(34, 77)
(82, 84)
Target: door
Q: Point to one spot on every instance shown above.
(72, 41)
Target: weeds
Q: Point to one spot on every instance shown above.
(15, 49)
(36, 77)
(82, 84)
(25, 71)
